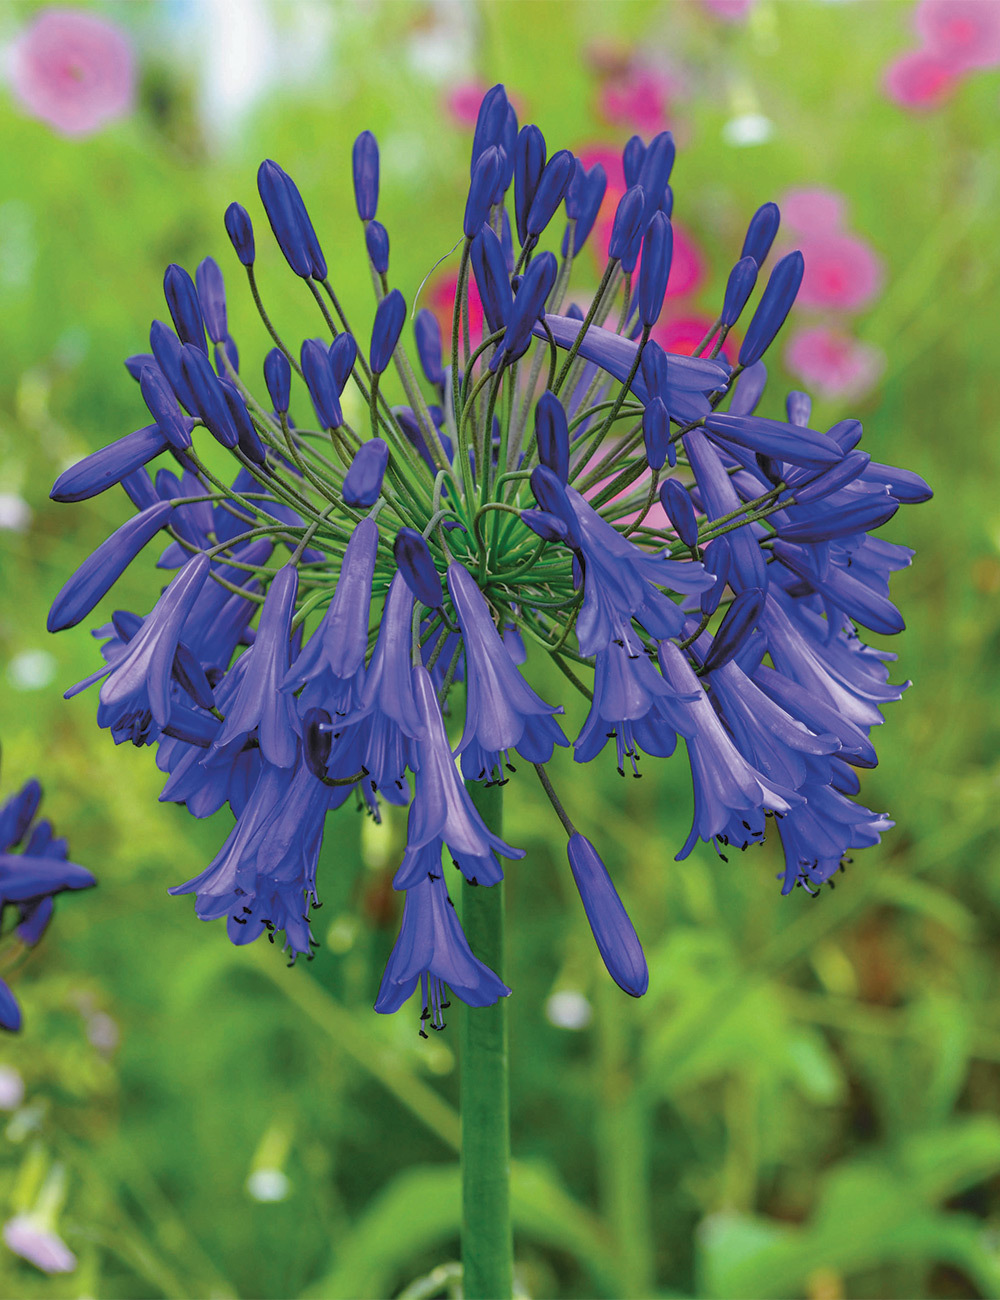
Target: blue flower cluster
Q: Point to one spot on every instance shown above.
(33, 869)
(694, 569)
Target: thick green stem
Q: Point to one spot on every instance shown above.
(487, 1242)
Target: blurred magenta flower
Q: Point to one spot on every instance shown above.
(919, 79)
(732, 11)
(462, 101)
(962, 33)
(638, 98)
(833, 363)
(682, 334)
(813, 209)
(73, 70)
(28, 1237)
(841, 271)
(687, 270)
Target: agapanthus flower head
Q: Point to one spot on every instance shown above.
(354, 615)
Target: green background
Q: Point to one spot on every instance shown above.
(805, 1102)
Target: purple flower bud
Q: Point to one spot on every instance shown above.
(209, 398)
(775, 438)
(492, 278)
(718, 559)
(377, 243)
(363, 481)
(551, 191)
(656, 167)
(798, 408)
(485, 176)
(290, 221)
(508, 147)
(343, 354)
(168, 350)
(239, 228)
(613, 932)
(775, 304)
(212, 297)
(676, 501)
(583, 202)
(364, 161)
(529, 303)
(549, 527)
(859, 515)
(109, 464)
(749, 389)
(185, 309)
(318, 374)
(416, 564)
(552, 434)
(100, 571)
(656, 432)
(550, 493)
(814, 487)
(427, 333)
(653, 366)
(529, 160)
(626, 229)
(490, 124)
(135, 363)
(761, 232)
(278, 377)
(739, 287)
(846, 434)
(738, 622)
(227, 357)
(246, 434)
(632, 159)
(657, 253)
(389, 317)
(162, 404)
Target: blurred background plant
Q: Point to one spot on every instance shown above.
(805, 1102)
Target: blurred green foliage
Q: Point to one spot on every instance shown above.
(805, 1103)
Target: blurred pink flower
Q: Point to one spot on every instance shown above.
(441, 300)
(462, 101)
(733, 11)
(920, 79)
(683, 334)
(27, 1237)
(73, 70)
(687, 269)
(841, 272)
(813, 210)
(638, 99)
(833, 363)
(963, 33)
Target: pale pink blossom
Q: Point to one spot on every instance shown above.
(28, 1237)
(964, 33)
(842, 272)
(812, 210)
(832, 363)
(919, 80)
(73, 70)
(638, 99)
(683, 334)
(732, 11)
(462, 101)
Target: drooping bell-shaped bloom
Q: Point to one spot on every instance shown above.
(502, 712)
(432, 951)
(441, 804)
(730, 796)
(260, 707)
(613, 932)
(336, 649)
(137, 690)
